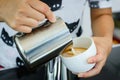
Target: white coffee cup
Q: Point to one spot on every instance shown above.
(78, 63)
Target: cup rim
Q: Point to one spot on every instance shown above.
(78, 54)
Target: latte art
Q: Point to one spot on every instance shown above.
(72, 51)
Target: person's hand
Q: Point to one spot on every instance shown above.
(103, 45)
(23, 15)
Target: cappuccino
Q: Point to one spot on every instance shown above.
(72, 51)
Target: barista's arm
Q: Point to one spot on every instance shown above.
(102, 27)
(2, 2)
(1, 19)
(102, 23)
(23, 15)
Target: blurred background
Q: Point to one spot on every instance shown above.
(116, 16)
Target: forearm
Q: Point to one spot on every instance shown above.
(102, 23)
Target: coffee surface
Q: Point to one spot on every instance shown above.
(72, 51)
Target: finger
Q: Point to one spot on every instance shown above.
(32, 13)
(44, 8)
(25, 21)
(96, 58)
(96, 70)
(24, 29)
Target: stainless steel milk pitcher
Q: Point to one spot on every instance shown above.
(43, 43)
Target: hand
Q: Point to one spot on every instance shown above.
(103, 45)
(23, 15)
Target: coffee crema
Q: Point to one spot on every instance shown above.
(72, 51)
